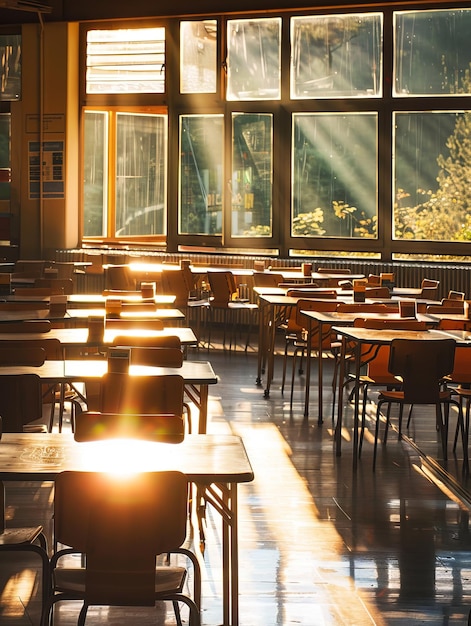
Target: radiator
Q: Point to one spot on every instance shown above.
(407, 274)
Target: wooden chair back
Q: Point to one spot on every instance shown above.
(167, 341)
(120, 277)
(20, 400)
(422, 364)
(175, 282)
(123, 393)
(267, 279)
(96, 426)
(223, 288)
(121, 525)
(138, 323)
(26, 326)
(318, 294)
(64, 284)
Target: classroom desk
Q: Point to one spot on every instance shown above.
(334, 318)
(197, 376)
(217, 464)
(357, 337)
(85, 300)
(78, 337)
(274, 308)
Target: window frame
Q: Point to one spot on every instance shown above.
(282, 243)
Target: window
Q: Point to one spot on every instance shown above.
(125, 61)
(201, 174)
(334, 175)
(326, 133)
(432, 169)
(10, 68)
(254, 59)
(337, 56)
(252, 175)
(198, 56)
(432, 54)
(125, 174)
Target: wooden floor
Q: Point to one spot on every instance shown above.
(319, 544)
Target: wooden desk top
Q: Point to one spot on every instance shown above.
(78, 337)
(83, 370)
(204, 459)
(386, 335)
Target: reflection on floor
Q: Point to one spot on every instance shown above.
(319, 544)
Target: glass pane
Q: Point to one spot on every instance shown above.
(334, 175)
(432, 52)
(198, 56)
(10, 69)
(252, 175)
(253, 59)
(338, 56)
(141, 171)
(126, 61)
(95, 165)
(201, 174)
(432, 170)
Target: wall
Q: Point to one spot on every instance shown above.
(46, 211)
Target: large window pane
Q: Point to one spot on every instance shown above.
(334, 175)
(141, 157)
(10, 67)
(253, 59)
(252, 175)
(201, 174)
(198, 56)
(95, 163)
(126, 61)
(432, 170)
(432, 52)
(337, 56)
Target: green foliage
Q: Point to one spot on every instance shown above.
(443, 214)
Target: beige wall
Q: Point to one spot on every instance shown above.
(47, 112)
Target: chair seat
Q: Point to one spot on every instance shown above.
(168, 580)
(398, 396)
(15, 536)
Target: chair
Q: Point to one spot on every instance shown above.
(328, 341)
(317, 294)
(455, 295)
(333, 270)
(38, 291)
(176, 282)
(377, 292)
(453, 302)
(445, 310)
(223, 299)
(165, 341)
(66, 284)
(364, 307)
(96, 426)
(422, 365)
(374, 280)
(21, 403)
(123, 393)
(121, 525)
(267, 279)
(429, 289)
(24, 539)
(120, 277)
(376, 361)
(138, 323)
(26, 326)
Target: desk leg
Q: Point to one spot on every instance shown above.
(262, 341)
(308, 371)
(356, 404)
(223, 497)
(270, 350)
(199, 397)
(338, 426)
